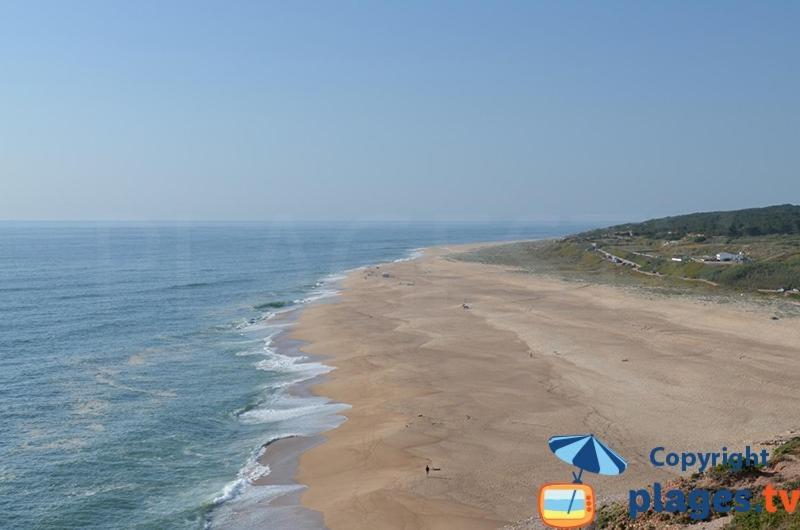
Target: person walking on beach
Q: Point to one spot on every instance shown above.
(427, 470)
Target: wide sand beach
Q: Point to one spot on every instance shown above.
(475, 392)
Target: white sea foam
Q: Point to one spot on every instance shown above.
(268, 343)
(284, 407)
(318, 294)
(267, 346)
(302, 415)
(412, 255)
(249, 506)
(327, 287)
(285, 364)
(252, 471)
(272, 415)
(257, 323)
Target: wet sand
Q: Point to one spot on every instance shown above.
(477, 392)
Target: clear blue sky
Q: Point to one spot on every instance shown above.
(396, 110)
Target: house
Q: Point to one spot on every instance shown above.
(727, 256)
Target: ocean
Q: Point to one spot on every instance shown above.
(140, 367)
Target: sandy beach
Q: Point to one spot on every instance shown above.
(475, 393)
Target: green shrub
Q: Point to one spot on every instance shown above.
(791, 447)
(769, 275)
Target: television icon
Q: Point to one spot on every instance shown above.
(566, 505)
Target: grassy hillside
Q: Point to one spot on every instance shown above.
(763, 247)
(779, 219)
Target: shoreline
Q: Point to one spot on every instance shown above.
(282, 456)
(432, 383)
(274, 497)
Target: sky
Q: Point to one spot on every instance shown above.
(357, 111)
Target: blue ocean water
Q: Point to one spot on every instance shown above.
(137, 378)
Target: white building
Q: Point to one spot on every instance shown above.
(727, 256)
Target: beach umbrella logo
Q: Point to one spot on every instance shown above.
(572, 504)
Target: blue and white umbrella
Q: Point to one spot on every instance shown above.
(587, 453)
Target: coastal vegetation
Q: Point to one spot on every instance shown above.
(756, 249)
(779, 219)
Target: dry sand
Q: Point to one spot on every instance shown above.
(478, 392)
